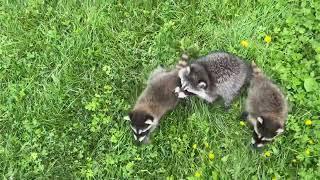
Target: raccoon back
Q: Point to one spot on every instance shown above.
(264, 97)
(223, 66)
(159, 97)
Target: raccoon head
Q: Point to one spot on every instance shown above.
(195, 77)
(141, 124)
(268, 128)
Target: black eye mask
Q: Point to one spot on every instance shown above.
(258, 142)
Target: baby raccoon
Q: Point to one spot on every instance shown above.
(217, 74)
(266, 108)
(157, 98)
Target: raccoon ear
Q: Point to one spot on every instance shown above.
(260, 120)
(202, 84)
(148, 119)
(148, 116)
(150, 122)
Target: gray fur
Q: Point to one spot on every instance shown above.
(156, 99)
(266, 107)
(222, 73)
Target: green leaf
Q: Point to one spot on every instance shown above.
(310, 84)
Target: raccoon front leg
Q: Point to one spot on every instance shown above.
(228, 98)
(203, 94)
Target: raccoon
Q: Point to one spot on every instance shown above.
(266, 108)
(217, 74)
(159, 97)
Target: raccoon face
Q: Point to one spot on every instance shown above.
(142, 124)
(258, 142)
(267, 129)
(194, 78)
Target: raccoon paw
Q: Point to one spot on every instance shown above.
(227, 108)
(256, 148)
(180, 94)
(177, 90)
(184, 57)
(244, 115)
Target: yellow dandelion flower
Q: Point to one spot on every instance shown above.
(307, 152)
(267, 154)
(34, 155)
(198, 174)
(308, 122)
(267, 39)
(244, 43)
(211, 155)
(242, 123)
(311, 141)
(194, 146)
(274, 178)
(206, 145)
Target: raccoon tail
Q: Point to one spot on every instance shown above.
(256, 71)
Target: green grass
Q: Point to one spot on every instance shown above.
(70, 72)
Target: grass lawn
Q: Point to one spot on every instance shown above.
(70, 72)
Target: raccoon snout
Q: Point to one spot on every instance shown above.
(143, 139)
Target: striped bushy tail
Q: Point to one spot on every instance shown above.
(256, 71)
